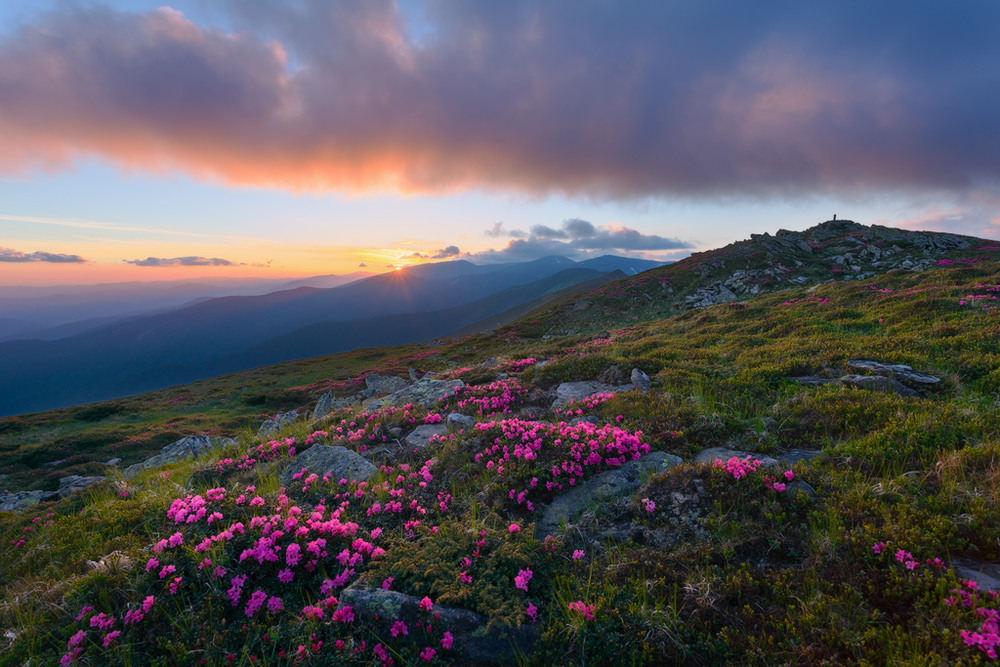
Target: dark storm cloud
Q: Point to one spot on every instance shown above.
(579, 238)
(611, 100)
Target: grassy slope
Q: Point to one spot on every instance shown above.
(751, 576)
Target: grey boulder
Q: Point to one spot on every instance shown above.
(189, 447)
(340, 462)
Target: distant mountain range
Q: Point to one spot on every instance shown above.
(118, 356)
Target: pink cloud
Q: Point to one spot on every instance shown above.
(608, 100)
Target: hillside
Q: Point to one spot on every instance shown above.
(809, 477)
(223, 335)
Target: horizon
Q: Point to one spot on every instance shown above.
(214, 140)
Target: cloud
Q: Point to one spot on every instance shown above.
(362, 265)
(11, 255)
(184, 261)
(444, 253)
(689, 99)
(578, 238)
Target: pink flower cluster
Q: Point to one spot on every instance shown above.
(738, 467)
(583, 609)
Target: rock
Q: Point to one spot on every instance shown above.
(584, 420)
(640, 381)
(492, 362)
(577, 391)
(414, 375)
(459, 421)
(801, 487)
(987, 575)
(116, 561)
(424, 393)
(613, 375)
(582, 304)
(793, 456)
(616, 482)
(476, 641)
(340, 462)
(897, 371)
(19, 500)
(324, 406)
(188, 447)
(113, 461)
(68, 485)
(384, 384)
(276, 423)
(712, 453)
(878, 383)
(420, 436)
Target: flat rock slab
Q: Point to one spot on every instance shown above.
(475, 641)
(617, 482)
(878, 383)
(424, 393)
(793, 456)
(420, 437)
(577, 391)
(68, 485)
(898, 371)
(278, 422)
(987, 575)
(813, 380)
(190, 447)
(712, 453)
(340, 462)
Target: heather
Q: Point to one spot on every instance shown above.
(847, 556)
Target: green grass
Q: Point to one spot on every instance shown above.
(724, 570)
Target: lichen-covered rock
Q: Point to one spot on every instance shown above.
(424, 393)
(340, 462)
(577, 391)
(878, 383)
(420, 436)
(640, 381)
(190, 447)
(323, 406)
(278, 422)
(612, 483)
(458, 421)
(384, 384)
(904, 374)
(475, 640)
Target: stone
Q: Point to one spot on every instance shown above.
(584, 420)
(793, 456)
(340, 462)
(458, 421)
(616, 482)
(712, 453)
(113, 461)
(492, 362)
(640, 381)
(582, 304)
(19, 500)
(577, 391)
(384, 384)
(324, 406)
(276, 423)
(476, 640)
(897, 371)
(420, 436)
(412, 372)
(189, 447)
(987, 575)
(878, 383)
(613, 375)
(424, 393)
(68, 485)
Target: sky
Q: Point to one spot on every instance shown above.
(288, 138)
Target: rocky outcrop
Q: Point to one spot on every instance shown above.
(458, 421)
(276, 423)
(424, 393)
(476, 641)
(724, 453)
(190, 447)
(613, 483)
(340, 462)
(20, 500)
